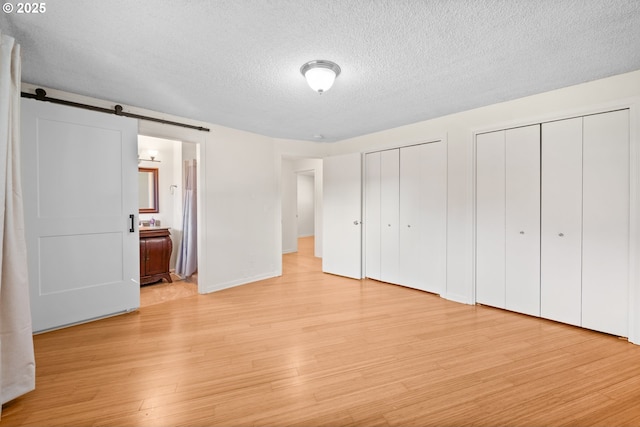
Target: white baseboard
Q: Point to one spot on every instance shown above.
(239, 282)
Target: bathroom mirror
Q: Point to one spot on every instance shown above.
(148, 190)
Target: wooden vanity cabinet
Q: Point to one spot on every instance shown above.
(155, 252)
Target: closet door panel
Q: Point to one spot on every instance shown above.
(389, 215)
(606, 222)
(490, 219)
(561, 240)
(372, 216)
(435, 216)
(413, 255)
(522, 220)
(423, 216)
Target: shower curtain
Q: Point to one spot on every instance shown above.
(17, 364)
(187, 262)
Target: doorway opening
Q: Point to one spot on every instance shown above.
(302, 261)
(172, 160)
(301, 197)
(305, 204)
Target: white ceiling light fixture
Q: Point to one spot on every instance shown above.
(320, 74)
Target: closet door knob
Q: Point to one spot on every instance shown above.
(408, 225)
(522, 232)
(561, 234)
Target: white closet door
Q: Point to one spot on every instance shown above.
(423, 216)
(412, 250)
(372, 215)
(606, 222)
(389, 215)
(561, 240)
(490, 219)
(435, 216)
(522, 193)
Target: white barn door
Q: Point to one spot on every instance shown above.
(342, 216)
(79, 173)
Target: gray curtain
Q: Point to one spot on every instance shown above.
(17, 373)
(187, 261)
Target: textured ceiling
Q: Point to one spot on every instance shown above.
(236, 63)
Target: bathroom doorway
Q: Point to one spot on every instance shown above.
(170, 158)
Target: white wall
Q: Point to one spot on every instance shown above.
(306, 205)
(242, 207)
(289, 203)
(166, 174)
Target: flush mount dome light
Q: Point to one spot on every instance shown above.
(320, 74)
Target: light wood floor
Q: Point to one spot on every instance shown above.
(310, 349)
(160, 292)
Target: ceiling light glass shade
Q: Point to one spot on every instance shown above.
(320, 74)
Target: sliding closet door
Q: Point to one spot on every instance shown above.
(490, 219)
(561, 240)
(389, 215)
(605, 243)
(372, 216)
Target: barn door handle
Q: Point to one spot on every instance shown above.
(132, 229)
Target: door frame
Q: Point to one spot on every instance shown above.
(158, 130)
(311, 173)
(319, 219)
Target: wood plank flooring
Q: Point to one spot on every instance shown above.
(311, 349)
(160, 292)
